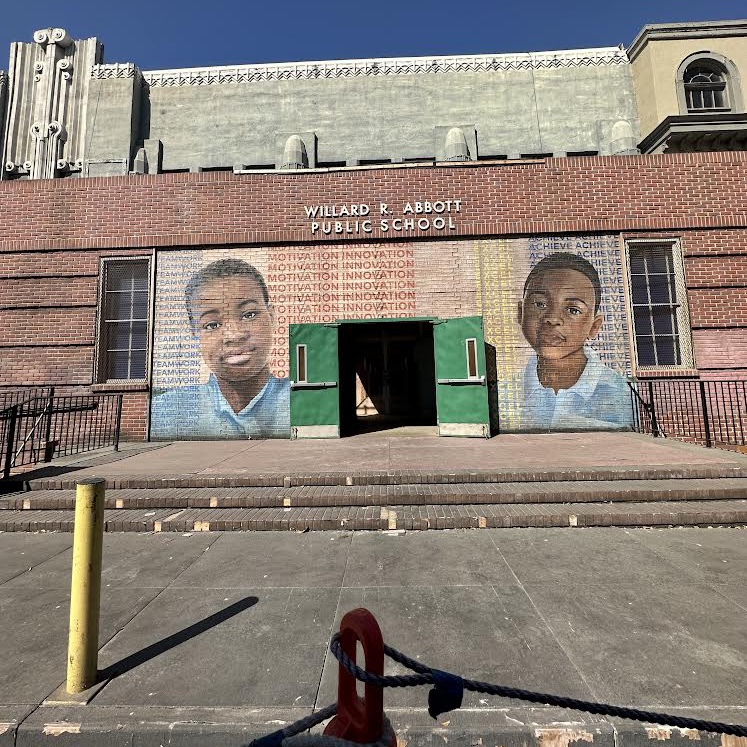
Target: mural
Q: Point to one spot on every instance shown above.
(220, 357)
(232, 323)
(554, 311)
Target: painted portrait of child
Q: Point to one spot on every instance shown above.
(231, 315)
(565, 385)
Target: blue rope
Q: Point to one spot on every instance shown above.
(449, 686)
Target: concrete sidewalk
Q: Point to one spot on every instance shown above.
(212, 639)
(378, 452)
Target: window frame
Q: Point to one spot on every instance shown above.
(680, 302)
(302, 364)
(473, 363)
(717, 63)
(100, 362)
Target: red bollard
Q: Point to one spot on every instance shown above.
(360, 719)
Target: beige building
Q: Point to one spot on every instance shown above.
(689, 84)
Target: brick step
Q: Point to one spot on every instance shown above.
(397, 477)
(629, 491)
(680, 513)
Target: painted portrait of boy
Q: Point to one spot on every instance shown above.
(565, 385)
(231, 315)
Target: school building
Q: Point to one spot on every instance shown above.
(478, 244)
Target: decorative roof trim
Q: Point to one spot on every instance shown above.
(204, 76)
(114, 70)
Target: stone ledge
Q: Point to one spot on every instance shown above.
(409, 518)
(391, 477)
(525, 493)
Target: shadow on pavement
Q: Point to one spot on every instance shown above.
(175, 639)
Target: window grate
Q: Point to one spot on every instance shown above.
(660, 318)
(123, 335)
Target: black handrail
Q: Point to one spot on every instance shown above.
(712, 412)
(34, 429)
(656, 431)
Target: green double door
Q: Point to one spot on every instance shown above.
(460, 381)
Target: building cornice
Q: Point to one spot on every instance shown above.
(330, 69)
(687, 133)
(693, 30)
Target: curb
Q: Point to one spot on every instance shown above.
(120, 726)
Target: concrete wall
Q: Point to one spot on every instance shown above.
(113, 124)
(515, 112)
(350, 110)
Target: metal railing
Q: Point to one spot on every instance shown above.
(10, 397)
(34, 429)
(708, 412)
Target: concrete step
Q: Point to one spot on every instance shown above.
(394, 477)
(629, 491)
(395, 517)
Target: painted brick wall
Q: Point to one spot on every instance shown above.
(49, 275)
(328, 282)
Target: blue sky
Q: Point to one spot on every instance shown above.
(164, 33)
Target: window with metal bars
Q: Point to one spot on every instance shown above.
(705, 88)
(660, 316)
(123, 331)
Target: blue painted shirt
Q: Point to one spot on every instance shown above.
(201, 411)
(599, 400)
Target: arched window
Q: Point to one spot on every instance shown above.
(708, 82)
(705, 87)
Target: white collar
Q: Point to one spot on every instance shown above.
(584, 387)
(221, 403)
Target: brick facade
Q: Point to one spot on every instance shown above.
(54, 233)
(556, 195)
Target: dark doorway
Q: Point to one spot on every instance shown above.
(387, 375)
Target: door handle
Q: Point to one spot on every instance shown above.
(457, 382)
(312, 384)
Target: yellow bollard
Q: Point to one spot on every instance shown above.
(85, 592)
